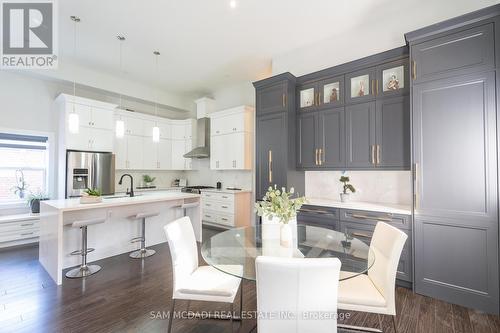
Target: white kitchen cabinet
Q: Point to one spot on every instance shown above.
(178, 131)
(239, 119)
(133, 126)
(165, 130)
(150, 154)
(135, 154)
(188, 162)
(178, 150)
(165, 154)
(231, 146)
(227, 208)
(102, 118)
(120, 150)
(147, 128)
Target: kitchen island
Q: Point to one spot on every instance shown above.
(58, 238)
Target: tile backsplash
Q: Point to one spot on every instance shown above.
(391, 187)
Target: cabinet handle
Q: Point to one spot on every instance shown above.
(27, 224)
(413, 70)
(415, 185)
(223, 219)
(270, 166)
(319, 99)
(358, 234)
(316, 156)
(224, 197)
(283, 100)
(373, 89)
(376, 87)
(27, 233)
(208, 215)
(378, 154)
(372, 153)
(364, 217)
(319, 153)
(223, 206)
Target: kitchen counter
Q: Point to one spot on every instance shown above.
(368, 206)
(113, 201)
(225, 190)
(112, 237)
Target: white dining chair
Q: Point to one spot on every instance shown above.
(297, 295)
(375, 292)
(193, 282)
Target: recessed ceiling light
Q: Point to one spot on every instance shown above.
(232, 3)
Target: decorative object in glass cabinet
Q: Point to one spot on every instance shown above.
(360, 86)
(307, 98)
(331, 92)
(393, 78)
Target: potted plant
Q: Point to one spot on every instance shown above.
(34, 201)
(278, 206)
(20, 188)
(148, 180)
(344, 196)
(91, 196)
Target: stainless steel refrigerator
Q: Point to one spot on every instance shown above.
(89, 170)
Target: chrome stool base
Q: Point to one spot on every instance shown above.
(142, 253)
(83, 271)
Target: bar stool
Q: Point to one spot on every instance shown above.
(84, 269)
(142, 252)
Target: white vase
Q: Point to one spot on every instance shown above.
(286, 236)
(344, 197)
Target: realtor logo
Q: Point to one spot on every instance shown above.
(28, 35)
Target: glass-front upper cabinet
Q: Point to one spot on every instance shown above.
(321, 94)
(361, 85)
(393, 78)
(331, 92)
(308, 96)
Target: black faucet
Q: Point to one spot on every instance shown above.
(131, 192)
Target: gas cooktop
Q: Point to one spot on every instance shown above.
(195, 189)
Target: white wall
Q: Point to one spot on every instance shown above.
(380, 30)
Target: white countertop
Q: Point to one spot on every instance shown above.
(369, 206)
(225, 190)
(149, 197)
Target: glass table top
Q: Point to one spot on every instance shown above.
(234, 251)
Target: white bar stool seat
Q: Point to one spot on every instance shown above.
(143, 252)
(84, 269)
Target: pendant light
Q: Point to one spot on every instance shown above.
(120, 124)
(156, 129)
(73, 118)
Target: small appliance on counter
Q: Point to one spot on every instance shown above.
(179, 182)
(219, 185)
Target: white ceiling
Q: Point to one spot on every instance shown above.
(204, 44)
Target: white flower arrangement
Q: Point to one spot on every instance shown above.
(280, 204)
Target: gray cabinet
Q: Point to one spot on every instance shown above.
(361, 225)
(308, 140)
(392, 133)
(271, 155)
(321, 139)
(273, 98)
(325, 217)
(360, 135)
(321, 94)
(456, 200)
(275, 133)
(465, 51)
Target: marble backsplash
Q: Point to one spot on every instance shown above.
(391, 187)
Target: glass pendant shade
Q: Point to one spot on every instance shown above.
(73, 122)
(120, 128)
(156, 134)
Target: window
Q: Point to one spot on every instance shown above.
(23, 166)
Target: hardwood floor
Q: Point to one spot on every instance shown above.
(132, 296)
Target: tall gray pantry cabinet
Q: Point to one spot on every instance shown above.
(455, 91)
(275, 137)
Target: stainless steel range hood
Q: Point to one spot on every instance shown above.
(204, 106)
(202, 149)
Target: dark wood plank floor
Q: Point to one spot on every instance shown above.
(132, 296)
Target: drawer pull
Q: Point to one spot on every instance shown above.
(208, 215)
(27, 224)
(207, 204)
(27, 233)
(223, 219)
(357, 234)
(364, 217)
(224, 206)
(225, 197)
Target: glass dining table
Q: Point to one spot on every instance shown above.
(234, 251)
